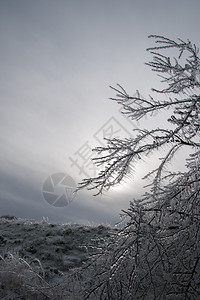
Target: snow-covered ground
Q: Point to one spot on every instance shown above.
(45, 251)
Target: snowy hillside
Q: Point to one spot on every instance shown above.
(45, 253)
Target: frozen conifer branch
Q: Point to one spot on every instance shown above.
(180, 76)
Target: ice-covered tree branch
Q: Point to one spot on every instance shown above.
(117, 158)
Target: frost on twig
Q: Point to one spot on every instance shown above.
(117, 157)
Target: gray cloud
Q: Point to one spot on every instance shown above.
(57, 60)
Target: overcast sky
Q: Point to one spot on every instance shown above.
(57, 61)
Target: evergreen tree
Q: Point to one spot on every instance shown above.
(156, 254)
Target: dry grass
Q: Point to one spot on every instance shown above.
(20, 280)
